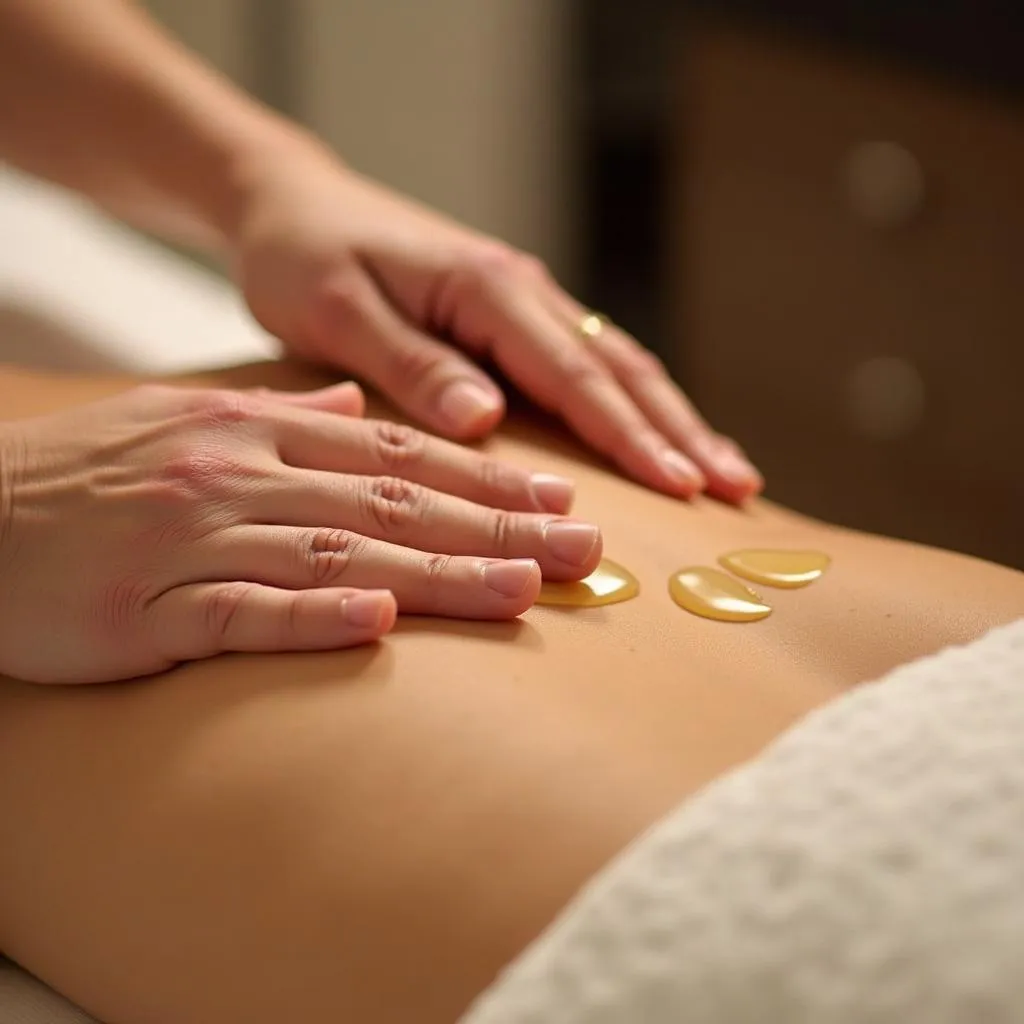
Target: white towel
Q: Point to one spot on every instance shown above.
(868, 868)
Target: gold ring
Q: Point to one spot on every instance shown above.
(591, 326)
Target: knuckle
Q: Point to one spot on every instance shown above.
(583, 371)
(504, 260)
(395, 504)
(573, 374)
(169, 493)
(199, 470)
(123, 601)
(181, 527)
(493, 264)
(229, 409)
(493, 257)
(296, 608)
(338, 304)
(642, 363)
(328, 554)
(202, 484)
(397, 446)
(504, 528)
(222, 606)
(498, 477)
(411, 365)
(532, 266)
(437, 568)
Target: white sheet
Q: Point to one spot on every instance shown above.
(80, 292)
(867, 869)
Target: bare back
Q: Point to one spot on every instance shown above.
(370, 835)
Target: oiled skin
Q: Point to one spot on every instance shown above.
(370, 835)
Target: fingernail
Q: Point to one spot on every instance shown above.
(366, 610)
(552, 493)
(510, 578)
(571, 543)
(736, 468)
(682, 470)
(465, 403)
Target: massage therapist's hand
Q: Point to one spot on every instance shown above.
(166, 525)
(351, 275)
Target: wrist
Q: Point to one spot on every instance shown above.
(212, 189)
(242, 151)
(255, 160)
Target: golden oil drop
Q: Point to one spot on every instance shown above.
(777, 568)
(714, 594)
(609, 583)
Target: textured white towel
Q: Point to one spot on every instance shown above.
(868, 868)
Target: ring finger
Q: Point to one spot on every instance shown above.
(303, 558)
(538, 354)
(665, 406)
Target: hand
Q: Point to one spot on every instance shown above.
(165, 525)
(350, 275)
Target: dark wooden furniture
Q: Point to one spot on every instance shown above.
(847, 280)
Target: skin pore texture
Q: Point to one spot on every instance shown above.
(371, 835)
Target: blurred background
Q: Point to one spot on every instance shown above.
(812, 210)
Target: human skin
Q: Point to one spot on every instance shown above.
(371, 834)
(209, 521)
(346, 273)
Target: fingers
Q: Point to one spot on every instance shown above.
(346, 399)
(422, 582)
(729, 474)
(538, 352)
(427, 379)
(612, 392)
(308, 440)
(607, 388)
(205, 619)
(407, 514)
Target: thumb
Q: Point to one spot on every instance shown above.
(429, 380)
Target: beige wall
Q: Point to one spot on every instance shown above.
(458, 102)
(214, 27)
